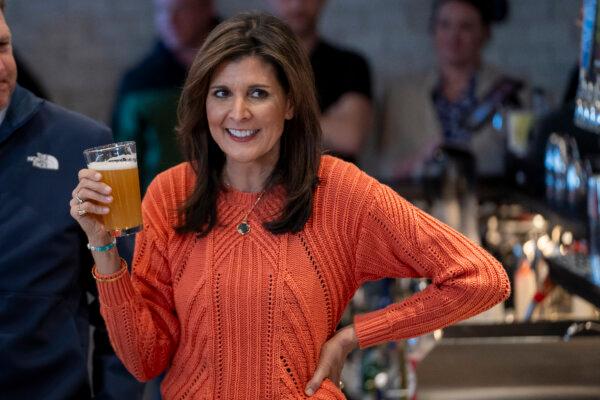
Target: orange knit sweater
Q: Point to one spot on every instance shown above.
(244, 317)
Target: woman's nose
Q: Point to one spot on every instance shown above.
(239, 109)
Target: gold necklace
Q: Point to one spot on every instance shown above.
(243, 227)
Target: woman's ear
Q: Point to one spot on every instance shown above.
(289, 109)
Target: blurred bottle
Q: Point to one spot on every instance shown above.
(576, 180)
(549, 155)
(449, 185)
(594, 226)
(373, 363)
(525, 286)
(518, 128)
(517, 123)
(555, 164)
(397, 380)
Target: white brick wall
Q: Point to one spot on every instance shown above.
(79, 47)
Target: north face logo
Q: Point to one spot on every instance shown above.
(44, 161)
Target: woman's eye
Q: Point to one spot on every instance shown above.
(221, 93)
(258, 93)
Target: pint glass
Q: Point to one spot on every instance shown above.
(117, 163)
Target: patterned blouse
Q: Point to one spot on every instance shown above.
(453, 114)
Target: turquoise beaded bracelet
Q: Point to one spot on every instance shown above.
(106, 247)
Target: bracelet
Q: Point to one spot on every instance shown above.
(110, 277)
(106, 247)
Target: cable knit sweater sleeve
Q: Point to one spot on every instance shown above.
(139, 310)
(397, 239)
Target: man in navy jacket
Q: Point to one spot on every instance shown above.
(44, 263)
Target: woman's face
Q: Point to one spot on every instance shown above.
(246, 108)
(459, 34)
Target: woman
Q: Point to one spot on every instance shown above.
(426, 110)
(252, 249)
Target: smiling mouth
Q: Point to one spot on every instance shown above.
(242, 133)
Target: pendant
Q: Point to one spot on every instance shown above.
(243, 228)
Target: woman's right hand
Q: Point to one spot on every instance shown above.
(90, 199)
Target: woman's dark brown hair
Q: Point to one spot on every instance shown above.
(264, 36)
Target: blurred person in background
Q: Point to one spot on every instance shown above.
(44, 263)
(426, 111)
(146, 104)
(342, 78)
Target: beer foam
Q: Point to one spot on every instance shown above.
(112, 166)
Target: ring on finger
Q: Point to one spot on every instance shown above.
(78, 198)
(80, 212)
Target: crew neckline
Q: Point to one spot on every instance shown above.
(237, 197)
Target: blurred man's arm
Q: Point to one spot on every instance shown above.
(346, 123)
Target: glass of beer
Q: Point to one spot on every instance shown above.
(117, 162)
